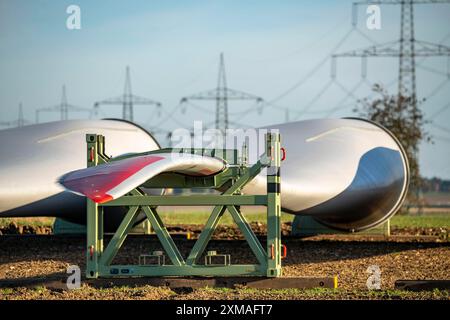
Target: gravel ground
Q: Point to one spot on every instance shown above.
(23, 257)
(155, 293)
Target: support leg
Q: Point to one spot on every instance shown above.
(100, 229)
(92, 240)
(273, 208)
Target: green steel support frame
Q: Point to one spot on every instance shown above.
(231, 182)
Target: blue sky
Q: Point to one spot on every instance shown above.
(172, 48)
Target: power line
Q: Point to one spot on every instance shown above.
(127, 100)
(438, 72)
(222, 94)
(406, 49)
(349, 94)
(333, 70)
(442, 128)
(169, 115)
(19, 122)
(312, 71)
(63, 107)
(436, 90)
(442, 138)
(434, 115)
(315, 98)
(302, 49)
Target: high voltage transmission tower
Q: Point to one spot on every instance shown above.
(222, 94)
(127, 100)
(19, 122)
(406, 49)
(63, 108)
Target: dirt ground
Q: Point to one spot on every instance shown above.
(27, 257)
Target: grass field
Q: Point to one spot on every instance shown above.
(426, 221)
(434, 220)
(430, 221)
(33, 221)
(201, 217)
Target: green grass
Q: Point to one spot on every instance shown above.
(201, 217)
(6, 291)
(32, 221)
(426, 221)
(186, 217)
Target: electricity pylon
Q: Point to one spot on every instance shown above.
(19, 122)
(221, 95)
(127, 100)
(63, 108)
(406, 48)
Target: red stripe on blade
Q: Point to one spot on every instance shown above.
(95, 182)
(105, 198)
